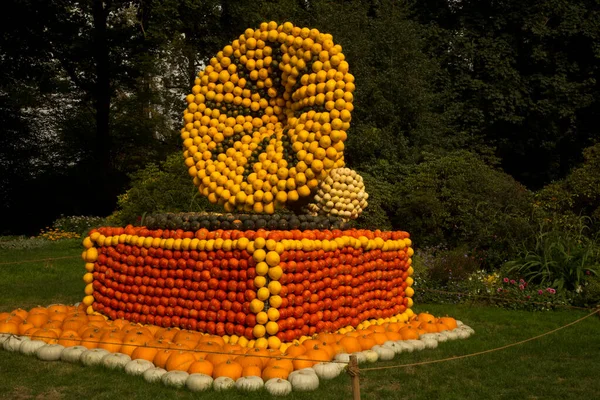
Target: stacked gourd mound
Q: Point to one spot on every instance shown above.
(198, 361)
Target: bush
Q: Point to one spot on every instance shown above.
(157, 189)
(575, 196)
(458, 200)
(558, 258)
(77, 224)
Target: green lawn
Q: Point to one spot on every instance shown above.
(561, 365)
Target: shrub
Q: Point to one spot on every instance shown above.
(458, 200)
(77, 224)
(558, 258)
(159, 188)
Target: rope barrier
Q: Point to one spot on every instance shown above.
(502, 299)
(38, 260)
(484, 351)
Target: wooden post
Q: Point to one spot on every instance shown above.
(354, 372)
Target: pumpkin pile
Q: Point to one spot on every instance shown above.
(342, 194)
(266, 287)
(267, 118)
(179, 357)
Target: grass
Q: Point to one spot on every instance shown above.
(560, 365)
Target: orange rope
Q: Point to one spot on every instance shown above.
(485, 351)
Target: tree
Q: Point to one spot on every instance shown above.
(520, 76)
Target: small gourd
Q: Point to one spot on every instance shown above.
(430, 343)
(371, 356)
(249, 383)
(175, 378)
(13, 343)
(115, 360)
(394, 346)
(223, 383)
(417, 344)
(137, 367)
(154, 374)
(462, 334)
(328, 370)
(406, 347)
(93, 357)
(278, 387)
(50, 352)
(199, 382)
(384, 353)
(73, 354)
(304, 381)
(29, 347)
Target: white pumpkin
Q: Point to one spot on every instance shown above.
(468, 329)
(329, 370)
(3, 338)
(223, 383)
(450, 335)
(394, 346)
(199, 382)
(342, 357)
(428, 336)
(278, 387)
(406, 347)
(29, 347)
(154, 374)
(430, 343)
(175, 378)
(370, 355)
(137, 367)
(50, 352)
(384, 353)
(13, 343)
(304, 381)
(459, 323)
(462, 334)
(440, 337)
(417, 344)
(115, 360)
(93, 357)
(73, 354)
(361, 358)
(249, 383)
(303, 371)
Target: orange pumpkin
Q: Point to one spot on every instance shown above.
(281, 363)
(180, 360)
(251, 370)
(9, 327)
(201, 367)
(229, 368)
(350, 344)
(275, 371)
(69, 338)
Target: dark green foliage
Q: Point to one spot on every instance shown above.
(459, 200)
(520, 76)
(159, 188)
(557, 258)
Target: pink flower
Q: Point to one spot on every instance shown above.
(512, 282)
(521, 281)
(505, 280)
(551, 291)
(521, 287)
(499, 290)
(540, 291)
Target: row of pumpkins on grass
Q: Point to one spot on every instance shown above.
(306, 379)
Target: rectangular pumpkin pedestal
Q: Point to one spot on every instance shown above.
(249, 284)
